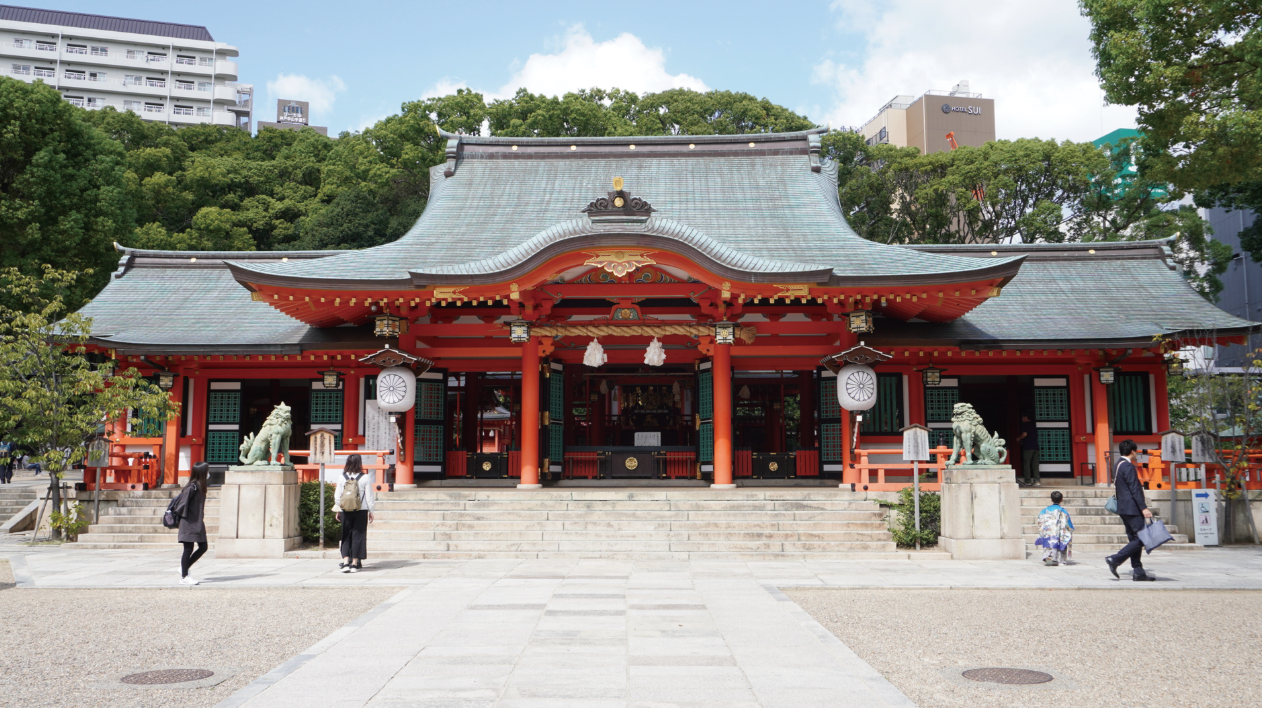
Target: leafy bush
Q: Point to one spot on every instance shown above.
(309, 513)
(904, 519)
(69, 523)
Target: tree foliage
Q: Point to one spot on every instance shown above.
(62, 193)
(1029, 190)
(53, 401)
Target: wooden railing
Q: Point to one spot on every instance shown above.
(310, 473)
(868, 469)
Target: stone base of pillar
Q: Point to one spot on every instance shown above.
(981, 513)
(530, 486)
(258, 512)
(722, 486)
(397, 487)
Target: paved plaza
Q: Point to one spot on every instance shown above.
(562, 633)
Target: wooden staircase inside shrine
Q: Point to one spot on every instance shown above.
(625, 523)
(136, 521)
(1096, 531)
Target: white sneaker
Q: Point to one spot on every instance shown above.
(346, 569)
(188, 580)
(354, 569)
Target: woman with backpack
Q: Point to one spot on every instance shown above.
(190, 509)
(353, 501)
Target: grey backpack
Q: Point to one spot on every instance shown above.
(350, 493)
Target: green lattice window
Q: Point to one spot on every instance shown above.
(705, 438)
(556, 395)
(1051, 404)
(705, 395)
(429, 443)
(939, 403)
(148, 427)
(223, 407)
(1054, 445)
(886, 417)
(326, 406)
(430, 397)
(1129, 412)
(940, 437)
(556, 443)
(828, 405)
(370, 388)
(223, 447)
(830, 442)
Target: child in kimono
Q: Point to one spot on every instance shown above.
(1056, 532)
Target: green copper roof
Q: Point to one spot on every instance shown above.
(763, 207)
(1064, 296)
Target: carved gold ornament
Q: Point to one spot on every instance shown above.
(486, 466)
(619, 262)
(632, 463)
(773, 466)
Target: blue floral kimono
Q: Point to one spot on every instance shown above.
(1056, 531)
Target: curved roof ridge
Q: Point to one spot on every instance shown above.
(584, 227)
(644, 139)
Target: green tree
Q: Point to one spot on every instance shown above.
(52, 400)
(63, 198)
(1194, 72)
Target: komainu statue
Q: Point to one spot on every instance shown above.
(271, 441)
(969, 435)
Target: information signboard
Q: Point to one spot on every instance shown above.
(1205, 516)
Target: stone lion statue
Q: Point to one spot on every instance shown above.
(271, 441)
(970, 436)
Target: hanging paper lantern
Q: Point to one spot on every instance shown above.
(396, 389)
(595, 354)
(655, 355)
(856, 387)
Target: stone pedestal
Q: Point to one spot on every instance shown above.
(258, 512)
(981, 513)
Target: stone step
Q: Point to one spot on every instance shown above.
(168, 545)
(633, 555)
(636, 546)
(1097, 549)
(391, 504)
(148, 536)
(591, 494)
(874, 524)
(624, 535)
(1117, 540)
(211, 528)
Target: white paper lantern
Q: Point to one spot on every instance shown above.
(856, 387)
(595, 354)
(396, 389)
(655, 355)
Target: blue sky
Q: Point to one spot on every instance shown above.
(835, 62)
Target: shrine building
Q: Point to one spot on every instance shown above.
(730, 252)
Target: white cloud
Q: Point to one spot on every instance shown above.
(581, 62)
(444, 87)
(320, 93)
(1034, 59)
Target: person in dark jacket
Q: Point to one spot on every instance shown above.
(191, 508)
(1133, 510)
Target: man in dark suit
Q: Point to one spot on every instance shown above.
(1133, 510)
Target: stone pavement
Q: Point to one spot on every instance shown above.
(561, 633)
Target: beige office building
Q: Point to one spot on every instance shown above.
(925, 121)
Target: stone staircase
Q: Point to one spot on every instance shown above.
(14, 499)
(1096, 531)
(136, 522)
(769, 523)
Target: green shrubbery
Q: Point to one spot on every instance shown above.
(309, 513)
(904, 526)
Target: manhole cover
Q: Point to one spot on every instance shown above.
(1008, 676)
(149, 678)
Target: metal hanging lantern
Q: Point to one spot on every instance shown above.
(1107, 374)
(166, 380)
(724, 332)
(331, 378)
(1174, 365)
(396, 389)
(931, 375)
(388, 326)
(856, 387)
(860, 321)
(519, 331)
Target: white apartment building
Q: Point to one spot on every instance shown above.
(162, 71)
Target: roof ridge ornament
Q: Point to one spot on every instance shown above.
(619, 205)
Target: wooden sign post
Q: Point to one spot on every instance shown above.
(916, 449)
(322, 444)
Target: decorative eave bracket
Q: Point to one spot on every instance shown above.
(862, 354)
(393, 357)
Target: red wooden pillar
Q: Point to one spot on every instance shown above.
(171, 438)
(1103, 438)
(1079, 425)
(849, 475)
(806, 410)
(350, 409)
(723, 416)
(404, 457)
(1161, 391)
(916, 397)
(469, 439)
(530, 415)
(201, 391)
